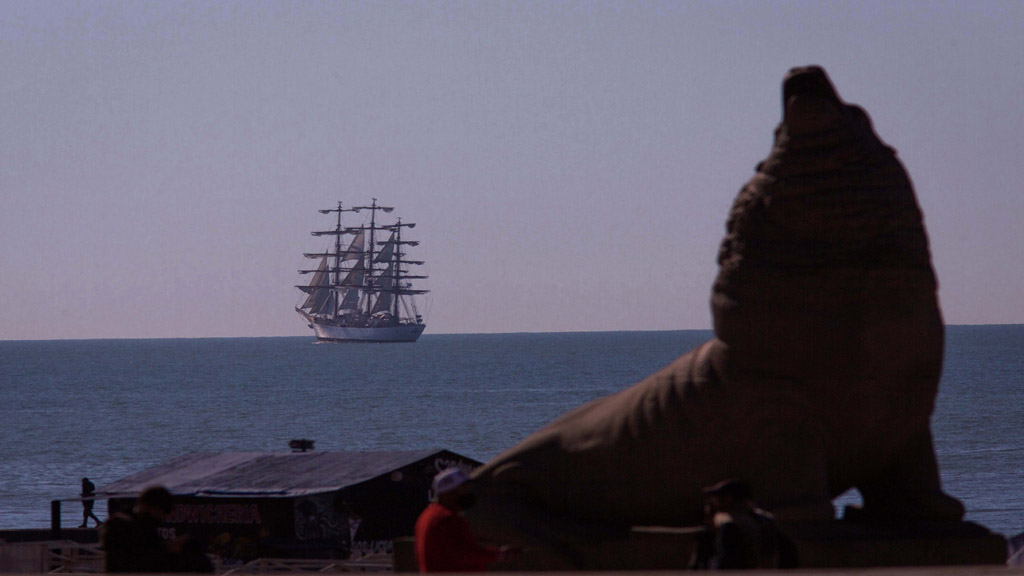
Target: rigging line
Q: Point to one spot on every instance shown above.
(430, 304)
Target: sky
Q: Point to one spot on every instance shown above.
(569, 165)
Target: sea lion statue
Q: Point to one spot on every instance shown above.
(821, 376)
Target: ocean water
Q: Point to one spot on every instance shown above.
(109, 408)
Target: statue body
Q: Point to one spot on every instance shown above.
(821, 377)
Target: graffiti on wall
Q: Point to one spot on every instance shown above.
(214, 514)
(315, 519)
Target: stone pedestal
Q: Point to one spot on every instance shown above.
(836, 544)
(843, 544)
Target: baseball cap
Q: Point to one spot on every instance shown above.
(733, 487)
(448, 480)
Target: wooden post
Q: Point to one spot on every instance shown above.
(55, 519)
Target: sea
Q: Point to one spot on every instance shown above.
(106, 409)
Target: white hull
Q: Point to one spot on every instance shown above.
(402, 333)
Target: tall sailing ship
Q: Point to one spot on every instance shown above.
(362, 291)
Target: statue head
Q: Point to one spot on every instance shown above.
(825, 246)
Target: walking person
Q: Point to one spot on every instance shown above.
(88, 491)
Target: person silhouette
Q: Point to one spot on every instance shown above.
(741, 535)
(88, 491)
(133, 543)
(444, 539)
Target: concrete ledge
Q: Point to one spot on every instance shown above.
(840, 544)
(827, 545)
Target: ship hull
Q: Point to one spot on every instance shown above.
(401, 333)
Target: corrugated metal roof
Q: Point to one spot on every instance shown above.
(265, 473)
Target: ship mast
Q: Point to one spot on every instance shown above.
(337, 265)
(375, 284)
(337, 233)
(397, 259)
(370, 273)
(398, 288)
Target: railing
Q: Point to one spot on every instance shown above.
(368, 563)
(51, 556)
(68, 557)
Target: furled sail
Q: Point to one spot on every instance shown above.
(319, 290)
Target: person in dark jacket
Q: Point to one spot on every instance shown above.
(131, 541)
(133, 544)
(88, 491)
(741, 535)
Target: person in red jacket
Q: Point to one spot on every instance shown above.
(444, 541)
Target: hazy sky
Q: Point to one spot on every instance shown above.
(569, 165)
